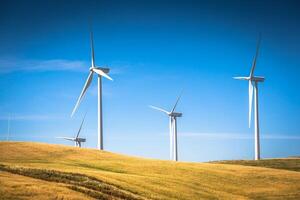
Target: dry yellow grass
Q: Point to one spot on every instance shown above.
(292, 163)
(21, 187)
(157, 179)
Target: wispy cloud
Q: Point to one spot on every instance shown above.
(8, 65)
(12, 65)
(239, 136)
(31, 117)
(281, 137)
(24, 136)
(216, 135)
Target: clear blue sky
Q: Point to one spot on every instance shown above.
(154, 49)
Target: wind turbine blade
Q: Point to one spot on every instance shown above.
(86, 85)
(159, 109)
(92, 48)
(177, 101)
(250, 100)
(80, 126)
(240, 78)
(256, 55)
(67, 138)
(101, 73)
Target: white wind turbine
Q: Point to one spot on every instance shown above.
(8, 127)
(173, 128)
(253, 82)
(100, 72)
(76, 139)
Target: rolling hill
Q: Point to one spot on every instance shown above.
(44, 171)
(292, 163)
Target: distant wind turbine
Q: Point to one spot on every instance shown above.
(173, 128)
(100, 72)
(8, 127)
(76, 139)
(253, 82)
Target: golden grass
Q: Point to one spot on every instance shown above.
(292, 163)
(157, 179)
(14, 187)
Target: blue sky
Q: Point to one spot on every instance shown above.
(154, 49)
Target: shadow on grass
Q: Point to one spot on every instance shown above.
(90, 186)
(108, 169)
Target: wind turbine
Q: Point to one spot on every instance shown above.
(101, 72)
(253, 85)
(8, 127)
(173, 128)
(76, 139)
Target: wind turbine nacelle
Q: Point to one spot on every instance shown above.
(258, 78)
(81, 139)
(175, 114)
(105, 70)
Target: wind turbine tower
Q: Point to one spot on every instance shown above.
(173, 128)
(253, 86)
(8, 127)
(101, 72)
(77, 140)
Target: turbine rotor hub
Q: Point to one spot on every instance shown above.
(257, 79)
(175, 114)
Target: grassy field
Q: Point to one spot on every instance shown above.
(14, 187)
(43, 171)
(284, 163)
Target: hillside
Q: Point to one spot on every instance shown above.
(43, 171)
(292, 163)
